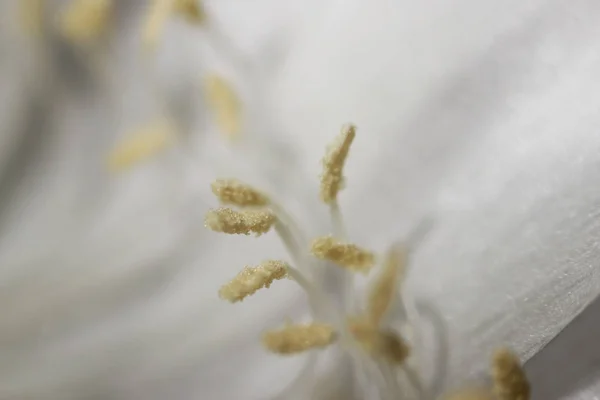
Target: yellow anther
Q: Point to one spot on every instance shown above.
(246, 222)
(384, 290)
(192, 10)
(141, 145)
(251, 279)
(232, 191)
(158, 13)
(225, 105)
(510, 382)
(381, 344)
(154, 24)
(344, 254)
(298, 338)
(332, 178)
(31, 15)
(470, 394)
(85, 21)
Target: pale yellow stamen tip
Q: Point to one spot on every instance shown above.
(86, 20)
(251, 279)
(510, 382)
(192, 10)
(31, 15)
(232, 191)
(141, 145)
(383, 344)
(384, 290)
(332, 178)
(298, 338)
(225, 105)
(246, 222)
(154, 24)
(470, 394)
(344, 254)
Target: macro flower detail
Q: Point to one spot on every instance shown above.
(252, 279)
(347, 255)
(31, 16)
(234, 192)
(230, 221)
(378, 351)
(332, 178)
(510, 382)
(140, 145)
(192, 10)
(158, 13)
(84, 21)
(224, 104)
(385, 287)
(299, 338)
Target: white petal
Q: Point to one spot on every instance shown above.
(484, 118)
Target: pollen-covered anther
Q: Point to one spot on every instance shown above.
(379, 343)
(224, 104)
(252, 279)
(154, 23)
(332, 178)
(298, 338)
(192, 10)
(470, 394)
(31, 16)
(84, 21)
(244, 222)
(347, 255)
(141, 145)
(510, 382)
(232, 191)
(385, 287)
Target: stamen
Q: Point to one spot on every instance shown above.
(470, 394)
(192, 10)
(31, 15)
(332, 179)
(510, 382)
(141, 145)
(381, 344)
(246, 222)
(384, 290)
(344, 254)
(232, 191)
(298, 338)
(225, 105)
(251, 279)
(158, 12)
(86, 20)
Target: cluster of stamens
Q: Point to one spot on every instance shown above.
(364, 335)
(87, 23)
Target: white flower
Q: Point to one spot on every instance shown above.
(477, 115)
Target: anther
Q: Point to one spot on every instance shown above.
(332, 178)
(385, 287)
(510, 382)
(379, 343)
(252, 279)
(141, 145)
(234, 192)
(192, 10)
(245, 222)
(86, 20)
(299, 338)
(344, 254)
(225, 105)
